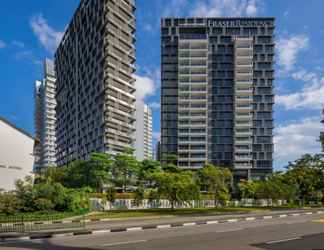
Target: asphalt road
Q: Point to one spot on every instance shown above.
(296, 233)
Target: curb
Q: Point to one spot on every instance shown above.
(148, 227)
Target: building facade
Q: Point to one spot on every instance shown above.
(157, 150)
(45, 118)
(143, 134)
(217, 93)
(16, 154)
(95, 62)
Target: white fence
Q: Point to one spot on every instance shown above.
(98, 204)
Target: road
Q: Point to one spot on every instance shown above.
(296, 232)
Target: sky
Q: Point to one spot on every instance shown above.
(31, 30)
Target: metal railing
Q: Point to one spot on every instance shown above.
(26, 224)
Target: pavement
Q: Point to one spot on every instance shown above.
(297, 232)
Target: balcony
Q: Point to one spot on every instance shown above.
(239, 116)
(243, 142)
(243, 92)
(239, 165)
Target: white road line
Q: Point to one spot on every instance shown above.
(267, 217)
(308, 213)
(232, 220)
(163, 226)
(250, 218)
(229, 230)
(134, 229)
(212, 222)
(283, 240)
(62, 235)
(189, 224)
(295, 214)
(101, 231)
(282, 215)
(122, 243)
(320, 212)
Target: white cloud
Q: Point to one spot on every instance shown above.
(2, 44)
(48, 36)
(309, 97)
(155, 105)
(145, 86)
(174, 8)
(288, 50)
(27, 55)
(295, 139)
(252, 8)
(214, 8)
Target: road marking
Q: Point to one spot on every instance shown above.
(123, 243)
(163, 226)
(101, 231)
(62, 235)
(107, 219)
(250, 218)
(134, 228)
(189, 224)
(212, 222)
(282, 215)
(229, 230)
(295, 214)
(283, 240)
(320, 212)
(267, 217)
(232, 220)
(320, 220)
(308, 213)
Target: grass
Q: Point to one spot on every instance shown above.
(169, 212)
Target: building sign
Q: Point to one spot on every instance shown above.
(237, 23)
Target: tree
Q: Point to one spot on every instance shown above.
(308, 173)
(78, 200)
(43, 204)
(247, 189)
(9, 203)
(216, 180)
(139, 195)
(176, 187)
(125, 169)
(111, 195)
(24, 193)
(146, 169)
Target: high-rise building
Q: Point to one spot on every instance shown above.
(45, 118)
(217, 93)
(95, 62)
(143, 134)
(157, 150)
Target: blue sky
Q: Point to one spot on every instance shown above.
(30, 31)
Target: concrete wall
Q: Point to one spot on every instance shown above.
(16, 155)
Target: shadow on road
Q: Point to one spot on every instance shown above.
(309, 242)
(41, 245)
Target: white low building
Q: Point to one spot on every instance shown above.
(16, 154)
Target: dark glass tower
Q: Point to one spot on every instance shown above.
(217, 93)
